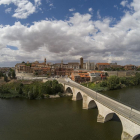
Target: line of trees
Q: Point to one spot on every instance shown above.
(11, 74)
(32, 91)
(114, 82)
(114, 69)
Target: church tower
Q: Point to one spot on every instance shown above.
(45, 60)
(62, 63)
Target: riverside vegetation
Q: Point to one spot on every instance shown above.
(114, 82)
(35, 90)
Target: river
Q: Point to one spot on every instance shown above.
(54, 119)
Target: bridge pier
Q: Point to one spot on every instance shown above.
(126, 136)
(88, 102)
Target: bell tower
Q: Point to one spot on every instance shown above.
(45, 60)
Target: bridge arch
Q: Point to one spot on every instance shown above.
(92, 104)
(69, 90)
(136, 136)
(79, 96)
(109, 116)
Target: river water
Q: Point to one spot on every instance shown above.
(54, 119)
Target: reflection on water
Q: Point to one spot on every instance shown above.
(53, 119)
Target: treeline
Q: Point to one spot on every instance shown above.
(114, 82)
(114, 69)
(11, 75)
(32, 91)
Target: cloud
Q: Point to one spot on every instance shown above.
(51, 5)
(90, 10)
(124, 3)
(24, 7)
(37, 2)
(98, 14)
(78, 36)
(8, 10)
(72, 9)
(115, 6)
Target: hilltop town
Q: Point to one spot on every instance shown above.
(77, 71)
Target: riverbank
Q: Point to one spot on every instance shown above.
(31, 90)
(114, 82)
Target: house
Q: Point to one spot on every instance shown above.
(130, 67)
(102, 66)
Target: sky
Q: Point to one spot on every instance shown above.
(97, 30)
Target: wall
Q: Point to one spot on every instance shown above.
(121, 73)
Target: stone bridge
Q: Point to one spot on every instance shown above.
(130, 118)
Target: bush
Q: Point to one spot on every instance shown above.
(20, 91)
(103, 84)
(42, 96)
(113, 82)
(47, 96)
(60, 94)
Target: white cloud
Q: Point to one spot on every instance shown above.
(78, 36)
(24, 7)
(8, 10)
(37, 2)
(115, 6)
(51, 4)
(98, 14)
(90, 9)
(72, 9)
(124, 3)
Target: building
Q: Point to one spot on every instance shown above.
(130, 67)
(80, 77)
(63, 71)
(102, 66)
(90, 66)
(81, 63)
(96, 75)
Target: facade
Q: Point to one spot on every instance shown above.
(130, 67)
(90, 66)
(73, 65)
(117, 66)
(63, 71)
(81, 63)
(102, 66)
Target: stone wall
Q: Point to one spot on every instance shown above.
(121, 73)
(94, 79)
(112, 73)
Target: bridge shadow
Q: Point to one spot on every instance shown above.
(68, 90)
(79, 96)
(115, 118)
(138, 137)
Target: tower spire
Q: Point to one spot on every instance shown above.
(45, 60)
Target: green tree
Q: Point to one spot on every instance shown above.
(1, 74)
(13, 74)
(9, 74)
(20, 91)
(49, 90)
(113, 82)
(5, 78)
(30, 95)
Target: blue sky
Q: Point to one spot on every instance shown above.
(98, 30)
(60, 10)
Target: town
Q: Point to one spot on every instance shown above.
(77, 71)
